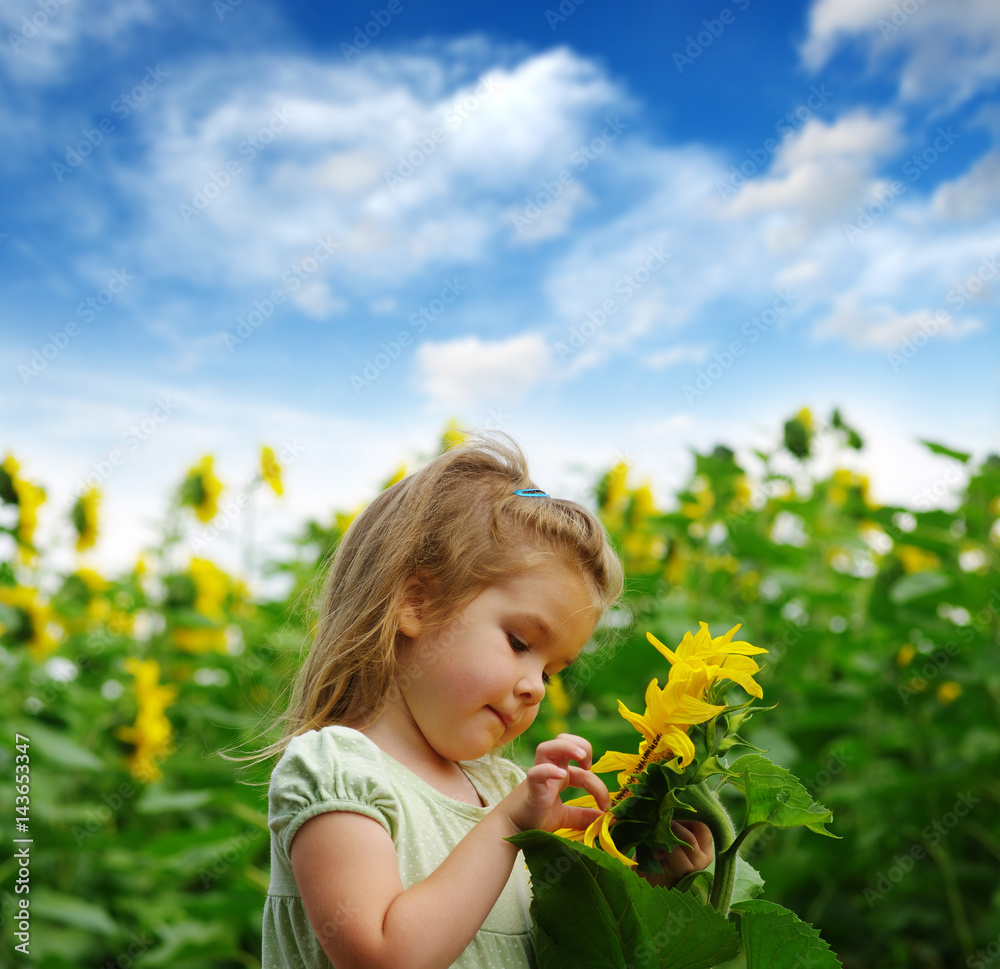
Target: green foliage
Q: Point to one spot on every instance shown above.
(884, 661)
(773, 796)
(604, 920)
(773, 938)
(883, 630)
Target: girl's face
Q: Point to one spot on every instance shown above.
(476, 683)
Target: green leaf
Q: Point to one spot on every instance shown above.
(748, 883)
(946, 451)
(70, 910)
(59, 749)
(158, 800)
(9, 619)
(917, 586)
(774, 938)
(775, 796)
(611, 918)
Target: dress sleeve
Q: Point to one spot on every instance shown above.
(332, 769)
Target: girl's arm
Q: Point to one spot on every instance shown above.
(345, 868)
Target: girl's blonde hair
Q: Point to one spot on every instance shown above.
(454, 527)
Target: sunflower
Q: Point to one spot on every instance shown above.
(84, 517)
(152, 734)
(201, 489)
(698, 662)
(270, 470)
(714, 659)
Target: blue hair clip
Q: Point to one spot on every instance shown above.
(531, 493)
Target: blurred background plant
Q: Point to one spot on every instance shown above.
(882, 629)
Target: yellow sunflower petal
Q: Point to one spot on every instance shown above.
(608, 843)
(668, 654)
(639, 722)
(617, 761)
(680, 743)
(744, 679)
(570, 834)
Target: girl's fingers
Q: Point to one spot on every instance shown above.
(540, 775)
(563, 749)
(592, 784)
(683, 832)
(697, 835)
(578, 818)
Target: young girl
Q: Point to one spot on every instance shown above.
(451, 601)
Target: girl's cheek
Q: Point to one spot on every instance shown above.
(526, 721)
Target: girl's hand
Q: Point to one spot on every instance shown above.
(683, 860)
(535, 802)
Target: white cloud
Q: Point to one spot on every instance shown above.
(42, 41)
(682, 353)
(883, 327)
(819, 173)
(948, 49)
(543, 217)
(973, 196)
(406, 164)
(315, 299)
(469, 370)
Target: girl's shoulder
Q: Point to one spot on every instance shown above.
(327, 741)
(331, 769)
(333, 759)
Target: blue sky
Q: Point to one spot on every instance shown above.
(612, 233)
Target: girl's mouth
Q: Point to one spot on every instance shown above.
(504, 720)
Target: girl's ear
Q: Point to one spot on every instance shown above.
(409, 615)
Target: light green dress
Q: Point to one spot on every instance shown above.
(339, 769)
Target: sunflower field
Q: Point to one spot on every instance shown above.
(134, 842)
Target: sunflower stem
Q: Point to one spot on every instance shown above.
(709, 810)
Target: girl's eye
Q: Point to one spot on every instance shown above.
(517, 645)
(521, 647)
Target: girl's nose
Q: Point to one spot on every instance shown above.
(531, 687)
